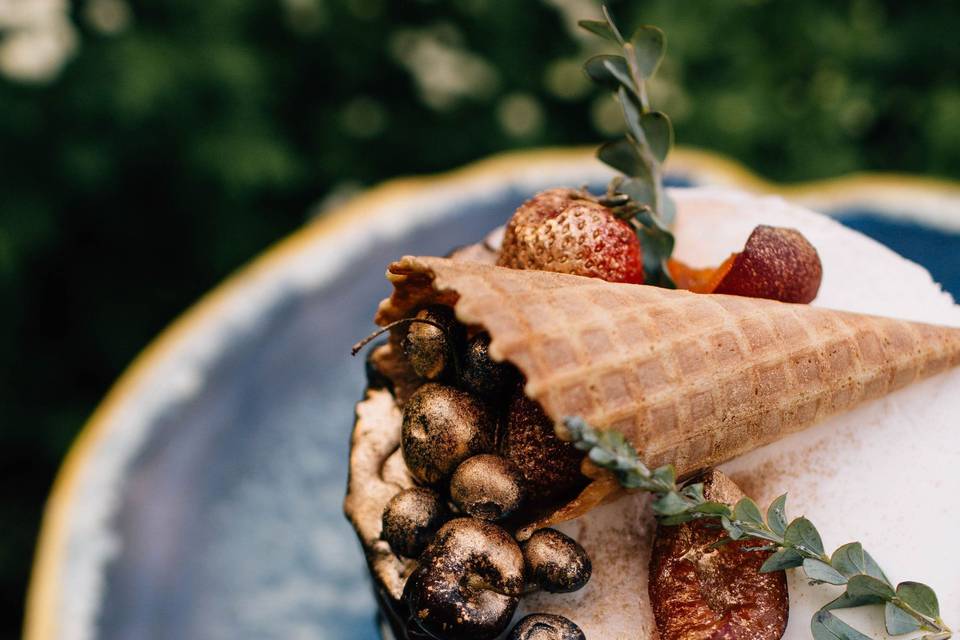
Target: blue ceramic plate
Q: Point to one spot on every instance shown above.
(203, 500)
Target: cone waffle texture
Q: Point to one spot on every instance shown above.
(689, 379)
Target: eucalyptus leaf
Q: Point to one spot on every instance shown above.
(601, 457)
(659, 133)
(873, 569)
(649, 44)
(920, 597)
(713, 509)
(695, 492)
(777, 515)
(826, 626)
(622, 156)
(657, 244)
(600, 28)
(747, 511)
(609, 71)
(732, 529)
(898, 621)
(847, 601)
(624, 78)
(665, 474)
(680, 518)
(632, 479)
(613, 25)
(782, 559)
(849, 559)
(642, 191)
(802, 533)
(820, 571)
(670, 504)
(632, 115)
(863, 585)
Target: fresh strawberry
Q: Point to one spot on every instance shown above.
(568, 231)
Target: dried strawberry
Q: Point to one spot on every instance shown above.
(568, 231)
(549, 466)
(776, 263)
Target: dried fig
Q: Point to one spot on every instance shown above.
(702, 592)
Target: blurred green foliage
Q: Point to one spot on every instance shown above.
(178, 142)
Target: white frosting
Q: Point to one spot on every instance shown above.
(885, 474)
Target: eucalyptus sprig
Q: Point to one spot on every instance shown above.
(909, 607)
(638, 196)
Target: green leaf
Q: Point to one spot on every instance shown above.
(649, 44)
(873, 569)
(609, 71)
(820, 571)
(659, 133)
(613, 25)
(747, 512)
(826, 626)
(713, 509)
(849, 559)
(802, 533)
(600, 456)
(680, 518)
(641, 190)
(732, 529)
(695, 492)
(670, 504)
(633, 479)
(665, 474)
(863, 585)
(632, 115)
(920, 597)
(898, 621)
(622, 156)
(600, 28)
(783, 559)
(847, 601)
(777, 515)
(657, 244)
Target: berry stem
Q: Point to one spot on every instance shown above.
(355, 349)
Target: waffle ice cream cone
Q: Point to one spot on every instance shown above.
(693, 380)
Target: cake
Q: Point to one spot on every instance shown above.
(847, 448)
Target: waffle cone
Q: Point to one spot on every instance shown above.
(693, 380)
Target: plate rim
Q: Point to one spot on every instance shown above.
(884, 191)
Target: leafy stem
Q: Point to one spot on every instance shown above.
(908, 607)
(637, 196)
